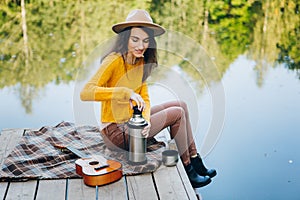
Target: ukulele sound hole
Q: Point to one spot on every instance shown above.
(94, 163)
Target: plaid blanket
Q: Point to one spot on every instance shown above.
(36, 157)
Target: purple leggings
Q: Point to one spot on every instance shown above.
(172, 114)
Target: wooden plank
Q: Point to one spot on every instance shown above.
(21, 190)
(141, 187)
(51, 189)
(187, 184)
(3, 187)
(9, 138)
(77, 190)
(116, 190)
(170, 184)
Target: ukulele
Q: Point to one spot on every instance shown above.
(95, 170)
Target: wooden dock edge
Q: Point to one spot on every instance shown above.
(165, 183)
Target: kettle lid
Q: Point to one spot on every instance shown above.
(137, 119)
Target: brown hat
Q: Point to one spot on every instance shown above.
(139, 18)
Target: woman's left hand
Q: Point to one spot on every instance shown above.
(145, 131)
(138, 100)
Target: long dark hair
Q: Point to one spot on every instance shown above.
(150, 56)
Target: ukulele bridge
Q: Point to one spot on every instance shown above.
(97, 163)
(101, 167)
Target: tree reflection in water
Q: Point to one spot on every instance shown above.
(47, 41)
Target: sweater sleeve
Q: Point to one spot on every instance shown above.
(96, 88)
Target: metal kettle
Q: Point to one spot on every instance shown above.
(137, 142)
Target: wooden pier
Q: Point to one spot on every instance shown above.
(165, 183)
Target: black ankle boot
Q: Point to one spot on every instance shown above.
(196, 180)
(201, 169)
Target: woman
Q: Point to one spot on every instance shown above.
(121, 81)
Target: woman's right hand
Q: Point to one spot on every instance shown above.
(138, 100)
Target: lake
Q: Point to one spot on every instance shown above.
(257, 154)
(236, 64)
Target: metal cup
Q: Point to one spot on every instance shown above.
(170, 157)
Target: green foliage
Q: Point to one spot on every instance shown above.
(233, 22)
(61, 34)
(289, 44)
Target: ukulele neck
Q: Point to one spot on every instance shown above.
(78, 153)
(82, 155)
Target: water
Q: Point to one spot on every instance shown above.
(53, 105)
(257, 154)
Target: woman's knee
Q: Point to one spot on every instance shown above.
(177, 112)
(183, 105)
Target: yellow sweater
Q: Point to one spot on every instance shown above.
(113, 85)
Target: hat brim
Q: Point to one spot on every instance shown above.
(158, 30)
